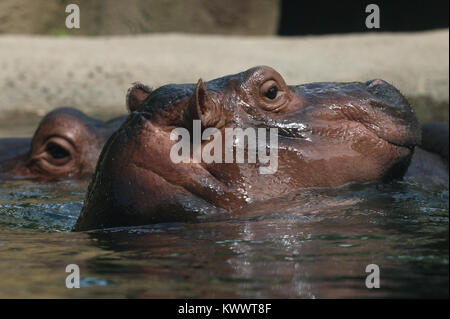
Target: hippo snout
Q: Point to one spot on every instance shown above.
(392, 102)
(390, 95)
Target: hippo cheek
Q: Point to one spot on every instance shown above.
(142, 190)
(142, 186)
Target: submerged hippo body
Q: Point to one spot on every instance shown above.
(430, 160)
(329, 134)
(66, 144)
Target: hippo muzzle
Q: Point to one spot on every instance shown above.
(376, 104)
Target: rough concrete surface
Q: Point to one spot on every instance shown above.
(39, 73)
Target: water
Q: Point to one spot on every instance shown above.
(314, 250)
(312, 244)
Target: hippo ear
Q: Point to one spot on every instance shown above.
(136, 94)
(204, 108)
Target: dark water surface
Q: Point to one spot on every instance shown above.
(313, 244)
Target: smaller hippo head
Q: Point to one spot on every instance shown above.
(328, 134)
(66, 144)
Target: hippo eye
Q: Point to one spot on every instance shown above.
(56, 151)
(272, 93)
(270, 90)
(54, 157)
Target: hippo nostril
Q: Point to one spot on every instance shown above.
(375, 82)
(387, 94)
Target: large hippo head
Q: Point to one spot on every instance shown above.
(66, 144)
(329, 134)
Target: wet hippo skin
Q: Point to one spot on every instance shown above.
(329, 134)
(66, 144)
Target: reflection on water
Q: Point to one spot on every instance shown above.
(313, 244)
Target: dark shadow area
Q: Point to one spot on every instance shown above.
(323, 17)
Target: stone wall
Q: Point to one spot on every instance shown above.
(40, 73)
(113, 17)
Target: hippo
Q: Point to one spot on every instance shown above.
(328, 135)
(66, 144)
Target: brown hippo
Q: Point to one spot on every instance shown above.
(66, 144)
(329, 134)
